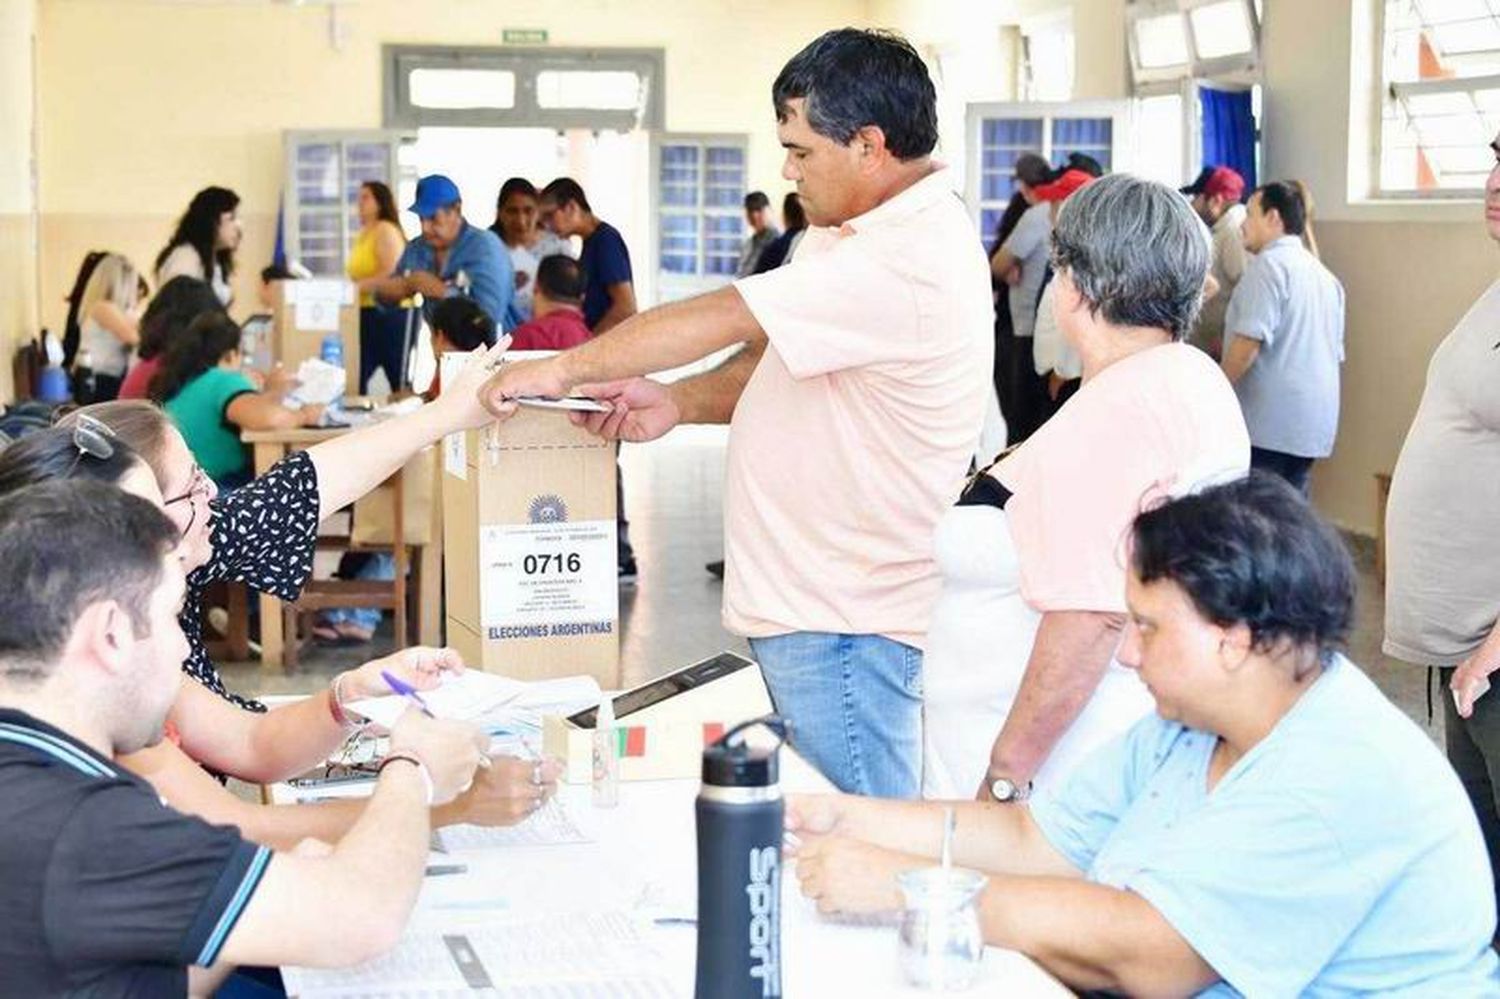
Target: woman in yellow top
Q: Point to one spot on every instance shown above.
(382, 328)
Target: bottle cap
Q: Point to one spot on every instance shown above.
(730, 762)
(739, 766)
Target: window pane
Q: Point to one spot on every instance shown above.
(613, 90)
(1221, 29)
(1161, 41)
(462, 88)
(317, 174)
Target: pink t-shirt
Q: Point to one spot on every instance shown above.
(138, 379)
(1158, 423)
(854, 433)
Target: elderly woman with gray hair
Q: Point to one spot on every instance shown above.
(1020, 675)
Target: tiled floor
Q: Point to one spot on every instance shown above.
(671, 616)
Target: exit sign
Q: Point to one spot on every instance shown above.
(525, 36)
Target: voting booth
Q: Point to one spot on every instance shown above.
(305, 312)
(661, 727)
(532, 577)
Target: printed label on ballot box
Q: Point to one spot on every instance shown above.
(548, 580)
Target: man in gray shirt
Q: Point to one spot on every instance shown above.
(1284, 339)
(1442, 529)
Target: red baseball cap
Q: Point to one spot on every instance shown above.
(1068, 182)
(1222, 181)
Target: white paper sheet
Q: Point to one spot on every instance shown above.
(578, 956)
(575, 404)
(554, 824)
(479, 697)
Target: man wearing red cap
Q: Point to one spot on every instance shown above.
(1216, 194)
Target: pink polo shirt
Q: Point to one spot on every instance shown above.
(855, 431)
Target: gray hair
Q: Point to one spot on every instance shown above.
(1135, 251)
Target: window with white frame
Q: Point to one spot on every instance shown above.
(1440, 62)
(701, 183)
(999, 133)
(1175, 40)
(324, 172)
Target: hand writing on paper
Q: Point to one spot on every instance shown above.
(506, 793)
(640, 410)
(848, 876)
(450, 750)
(420, 665)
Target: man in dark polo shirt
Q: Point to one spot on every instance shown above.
(106, 891)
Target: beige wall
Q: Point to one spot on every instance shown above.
(18, 311)
(1409, 270)
(143, 102)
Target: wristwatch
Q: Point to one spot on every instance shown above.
(1005, 789)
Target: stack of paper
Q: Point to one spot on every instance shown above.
(578, 956)
(496, 702)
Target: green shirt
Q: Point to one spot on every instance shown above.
(198, 410)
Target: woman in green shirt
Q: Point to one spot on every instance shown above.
(211, 400)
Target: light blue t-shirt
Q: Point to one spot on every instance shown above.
(482, 258)
(1294, 306)
(1338, 856)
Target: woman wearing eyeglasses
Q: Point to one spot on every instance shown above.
(240, 738)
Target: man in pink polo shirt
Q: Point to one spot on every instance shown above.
(853, 406)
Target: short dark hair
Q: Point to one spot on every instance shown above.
(792, 212)
(1032, 170)
(851, 78)
(276, 272)
(1252, 552)
(51, 454)
(1287, 200)
(514, 186)
(64, 546)
(565, 191)
(560, 278)
(756, 201)
(463, 323)
(176, 303)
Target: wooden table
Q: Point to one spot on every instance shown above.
(270, 446)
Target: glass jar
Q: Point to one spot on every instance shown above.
(941, 939)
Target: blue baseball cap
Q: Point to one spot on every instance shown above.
(433, 192)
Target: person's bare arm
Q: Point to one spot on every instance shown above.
(1240, 353)
(261, 411)
(621, 307)
(712, 396)
(1003, 264)
(352, 464)
(254, 746)
(1068, 659)
(987, 835)
(125, 327)
(351, 905)
(658, 339)
(390, 290)
(1092, 937)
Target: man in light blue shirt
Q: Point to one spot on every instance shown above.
(1276, 828)
(1284, 339)
(451, 257)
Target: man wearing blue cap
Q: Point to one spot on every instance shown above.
(451, 257)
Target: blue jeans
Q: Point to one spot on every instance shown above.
(855, 706)
(378, 566)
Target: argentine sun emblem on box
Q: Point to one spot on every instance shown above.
(548, 578)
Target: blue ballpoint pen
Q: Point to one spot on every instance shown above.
(406, 690)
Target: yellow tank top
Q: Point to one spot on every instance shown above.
(363, 262)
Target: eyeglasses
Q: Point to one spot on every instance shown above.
(197, 484)
(91, 438)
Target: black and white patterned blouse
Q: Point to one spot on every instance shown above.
(263, 536)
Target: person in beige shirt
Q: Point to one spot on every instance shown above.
(854, 406)
(1218, 193)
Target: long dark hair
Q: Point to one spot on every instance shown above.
(179, 302)
(199, 228)
(73, 326)
(193, 351)
(385, 202)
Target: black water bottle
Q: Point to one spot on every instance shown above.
(740, 816)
